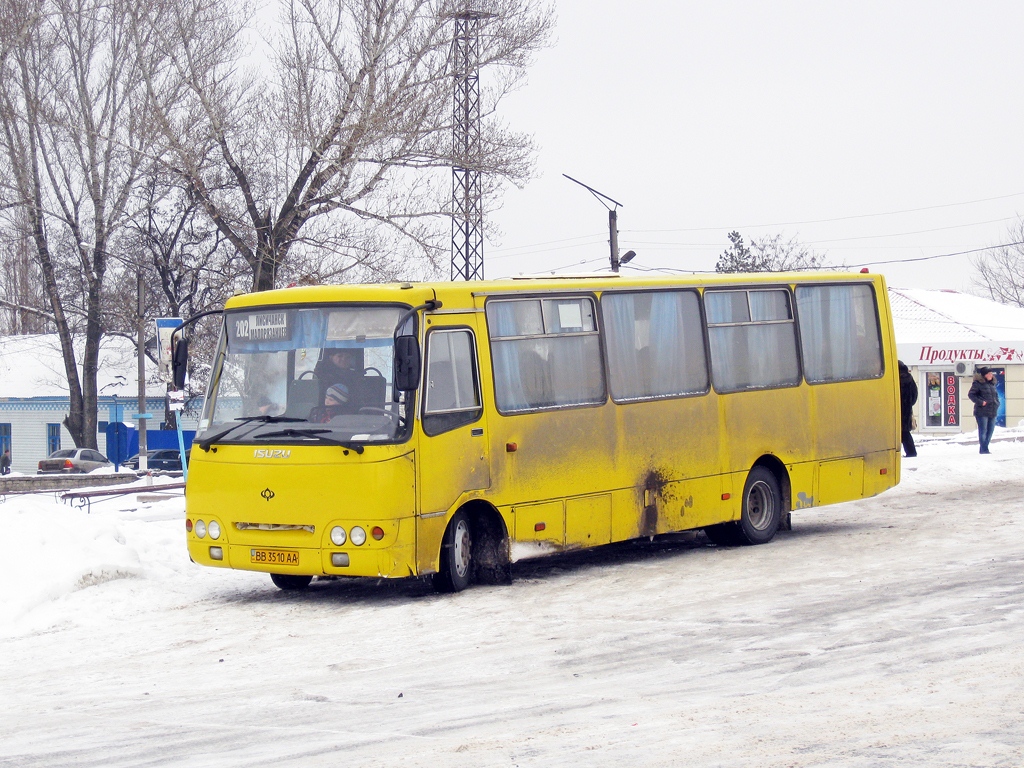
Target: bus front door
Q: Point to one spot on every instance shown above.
(452, 457)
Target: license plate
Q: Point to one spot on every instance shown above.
(274, 556)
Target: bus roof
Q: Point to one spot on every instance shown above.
(463, 292)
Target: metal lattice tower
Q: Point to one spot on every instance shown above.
(467, 196)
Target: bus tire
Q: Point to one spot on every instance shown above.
(456, 566)
(289, 582)
(762, 507)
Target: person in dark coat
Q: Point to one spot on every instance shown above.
(5, 463)
(339, 366)
(908, 396)
(986, 405)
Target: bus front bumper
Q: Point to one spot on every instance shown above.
(392, 557)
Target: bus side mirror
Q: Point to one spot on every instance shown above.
(407, 364)
(179, 363)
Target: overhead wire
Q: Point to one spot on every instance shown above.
(595, 238)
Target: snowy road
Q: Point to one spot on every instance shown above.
(878, 633)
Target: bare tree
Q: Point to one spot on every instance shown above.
(335, 145)
(74, 132)
(22, 299)
(769, 254)
(999, 272)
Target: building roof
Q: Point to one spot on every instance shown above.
(32, 366)
(934, 326)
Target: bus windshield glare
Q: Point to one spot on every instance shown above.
(291, 374)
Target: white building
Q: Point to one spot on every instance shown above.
(34, 395)
(943, 336)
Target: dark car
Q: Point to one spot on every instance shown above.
(73, 461)
(167, 459)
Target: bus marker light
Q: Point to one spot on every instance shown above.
(338, 535)
(511, 447)
(200, 528)
(377, 532)
(358, 536)
(188, 525)
(339, 559)
(214, 529)
(883, 471)
(216, 553)
(540, 526)
(726, 496)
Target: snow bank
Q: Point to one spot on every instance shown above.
(54, 550)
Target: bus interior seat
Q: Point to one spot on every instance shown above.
(370, 392)
(303, 396)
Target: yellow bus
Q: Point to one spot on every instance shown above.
(450, 429)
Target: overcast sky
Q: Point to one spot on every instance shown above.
(872, 131)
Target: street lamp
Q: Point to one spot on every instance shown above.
(613, 224)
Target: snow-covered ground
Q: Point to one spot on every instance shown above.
(886, 632)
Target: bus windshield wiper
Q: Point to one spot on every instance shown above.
(315, 434)
(243, 420)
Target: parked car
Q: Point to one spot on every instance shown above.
(163, 458)
(73, 461)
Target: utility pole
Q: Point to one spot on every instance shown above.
(467, 197)
(142, 415)
(613, 225)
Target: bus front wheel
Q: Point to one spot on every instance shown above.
(456, 567)
(286, 581)
(761, 516)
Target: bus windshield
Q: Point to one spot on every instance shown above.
(294, 374)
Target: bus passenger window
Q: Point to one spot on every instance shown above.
(655, 344)
(839, 332)
(753, 339)
(552, 364)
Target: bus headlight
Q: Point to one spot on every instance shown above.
(214, 529)
(338, 535)
(358, 536)
(200, 528)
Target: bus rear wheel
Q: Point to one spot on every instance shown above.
(761, 516)
(287, 581)
(456, 567)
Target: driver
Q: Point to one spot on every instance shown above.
(341, 365)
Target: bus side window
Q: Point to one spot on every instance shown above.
(655, 344)
(545, 353)
(839, 332)
(752, 338)
(451, 392)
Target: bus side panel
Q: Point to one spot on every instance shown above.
(669, 457)
(780, 422)
(550, 455)
(690, 504)
(840, 480)
(801, 485)
(855, 418)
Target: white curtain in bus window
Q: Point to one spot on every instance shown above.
(451, 385)
(839, 332)
(655, 344)
(545, 353)
(753, 339)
